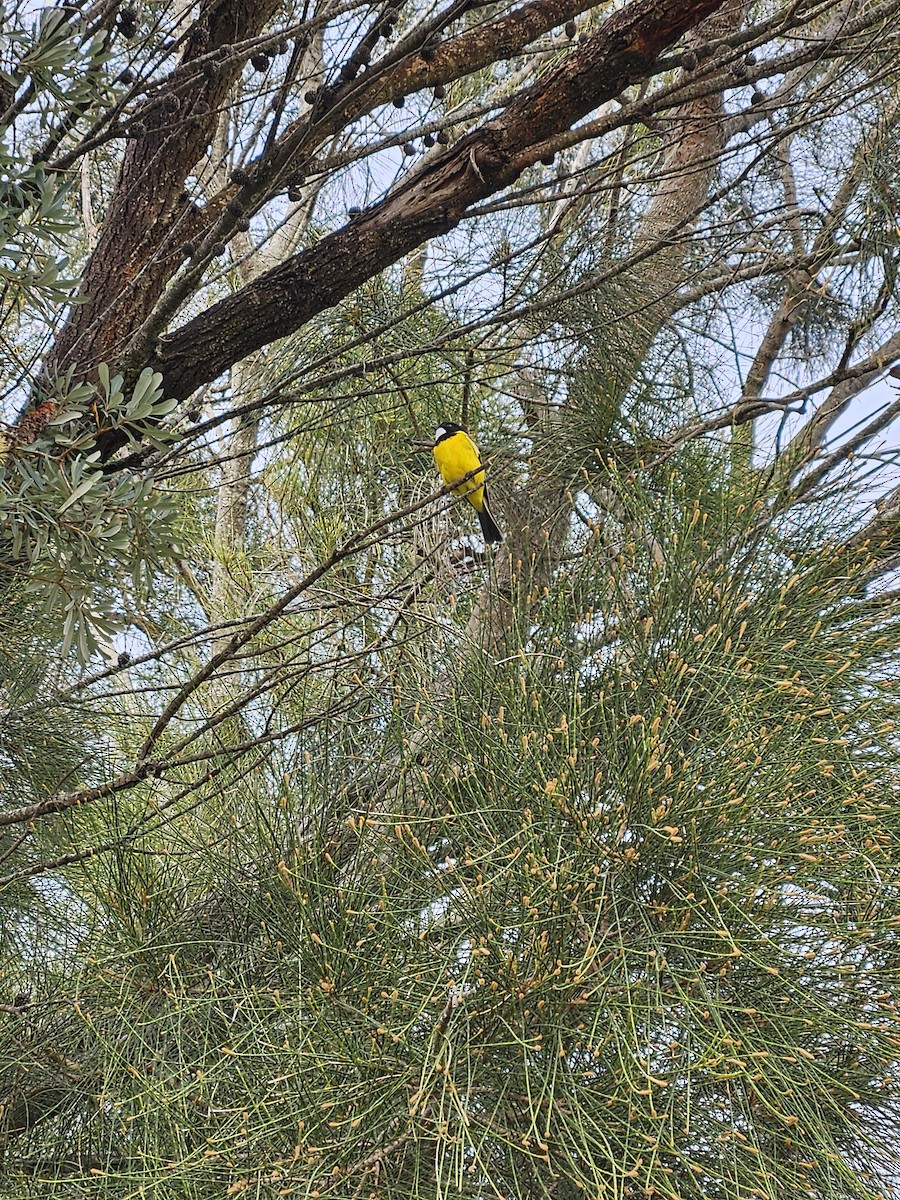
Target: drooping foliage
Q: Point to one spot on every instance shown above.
(340, 855)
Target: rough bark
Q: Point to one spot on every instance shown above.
(428, 204)
(405, 70)
(150, 215)
(409, 71)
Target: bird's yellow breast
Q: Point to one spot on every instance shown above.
(456, 456)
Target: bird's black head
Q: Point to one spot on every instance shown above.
(444, 430)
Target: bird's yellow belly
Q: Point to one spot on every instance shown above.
(454, 464)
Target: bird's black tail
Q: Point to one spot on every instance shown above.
(490, 530)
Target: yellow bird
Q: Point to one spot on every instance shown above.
(456, 455)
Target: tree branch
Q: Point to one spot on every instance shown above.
(430, 203)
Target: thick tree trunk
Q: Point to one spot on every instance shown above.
(150, 216)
